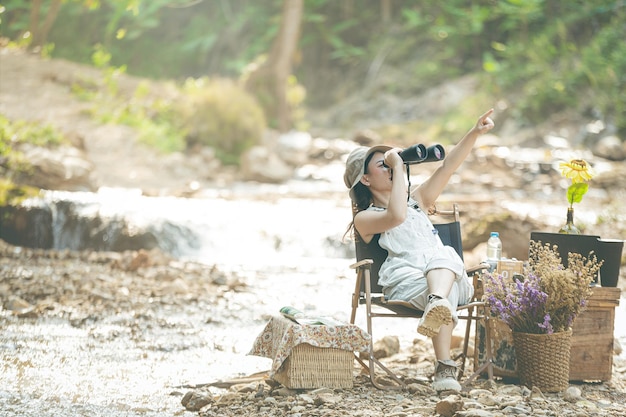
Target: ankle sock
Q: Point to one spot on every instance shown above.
(433, 297)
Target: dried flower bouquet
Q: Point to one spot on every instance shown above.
(548, 297)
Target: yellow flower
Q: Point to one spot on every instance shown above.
(578, 170)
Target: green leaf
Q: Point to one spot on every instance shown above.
(575, 192)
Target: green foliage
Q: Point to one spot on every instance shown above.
(152, 117)
(21, 132)
(575, 192)
(14, 134)
(169, 38)
(221, 114)
(447, 129)
(566, 55)
(12, 194)
(549, 55)
(296, 94)
(603, 70)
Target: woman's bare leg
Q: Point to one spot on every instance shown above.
(440, 282)
(442, 342)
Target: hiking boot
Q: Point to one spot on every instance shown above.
(438, 312)
(445, 376)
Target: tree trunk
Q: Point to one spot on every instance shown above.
(33, 24)
(385, 11)
(40, 32)
(269, 82)
(51, 17)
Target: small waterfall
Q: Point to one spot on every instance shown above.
(212, 229)
(108, 221)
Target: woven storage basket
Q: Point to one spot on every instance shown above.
(543, 360)
(312, 367)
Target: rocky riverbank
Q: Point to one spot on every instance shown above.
(142, 334)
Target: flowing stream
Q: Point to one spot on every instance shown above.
(287, 250)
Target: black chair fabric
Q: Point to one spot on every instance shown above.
(450, 234)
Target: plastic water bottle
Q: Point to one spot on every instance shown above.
(494, 250)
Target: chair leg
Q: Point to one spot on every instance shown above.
(373, 362)
(488, 364)
(371, 370)
(463, 355)
(355, 297)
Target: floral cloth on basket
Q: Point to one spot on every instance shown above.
(281, 335)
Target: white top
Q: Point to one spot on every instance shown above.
(412, 246)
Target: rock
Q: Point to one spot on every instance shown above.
(230, 398)
(611, 148)
(330, 149)
(269, 400)
(17, 304)
(139, 260)
(326, 399)
(305, 399)
(488, 400)
(387, 346)
(572, 394)
(586, 404)
(475, 413)
(535, 393)
(449, 405)
(511, 390)
(420, 390)
(517, 410)
(63, 168)
(178, 286)
(367, 137)
(321, 391)
(263, 165)
(284, 392)
(29, 224)
(293, 147)
(195, 400)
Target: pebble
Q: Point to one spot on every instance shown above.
(572, 394)
(449, 405)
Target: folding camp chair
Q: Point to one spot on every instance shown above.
(367, 291)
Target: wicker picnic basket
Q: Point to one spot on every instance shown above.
(312, 367)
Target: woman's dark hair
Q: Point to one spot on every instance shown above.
(363, 194)
(363, 197)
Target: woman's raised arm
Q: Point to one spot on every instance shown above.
(428, 192)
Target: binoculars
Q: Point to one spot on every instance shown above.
(416, 154)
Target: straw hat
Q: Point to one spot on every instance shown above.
(355, 165)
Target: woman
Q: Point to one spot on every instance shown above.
(418, 268)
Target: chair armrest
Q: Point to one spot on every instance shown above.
(364, 263)
(405, 304)
(471, 304)
(477, 268)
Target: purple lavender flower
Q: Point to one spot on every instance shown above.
(546, 325)
(523, 304)
(520, 305)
